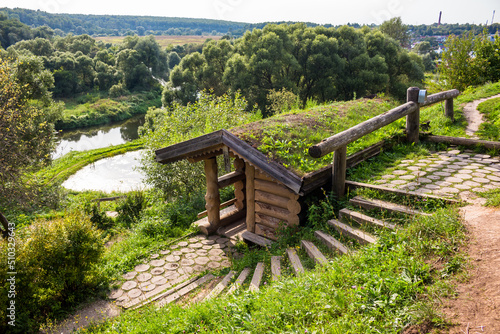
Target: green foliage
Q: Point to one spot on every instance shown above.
(55, 265)
(281, 101)
(180, 123)
(470, 60)
(490, 130)
(130, 208)
(492, 197)
(397, 30)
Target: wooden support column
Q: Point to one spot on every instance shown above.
(338, 172)
(412, 119)
(239, 187)
(212, 198)
(250, 192)
(448, 109)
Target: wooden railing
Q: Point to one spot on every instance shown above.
(411, 109)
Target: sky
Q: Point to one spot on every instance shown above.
(253, 11)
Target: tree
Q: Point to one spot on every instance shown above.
(397, 30)
(27, 115)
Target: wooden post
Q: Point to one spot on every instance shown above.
(338, 172)
(250, 192)
(412, 119)
(448, 109)
(212, 198)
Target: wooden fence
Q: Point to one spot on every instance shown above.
(411, 109)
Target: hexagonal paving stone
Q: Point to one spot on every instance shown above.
(448, 170)
(134, 293)
(443, 183)
(155, 256)
(463, 176)
(190, 256)
(414, 168)
(216, 252)
(172, 258)
(177, 253)
(400, 172)
(129, 285)
(208, 242)
(213, 265)
(171, 266)
(462, 186)
(219, 246)
(449, 190)
(202, 252)
(185, 270)
(479, 190)
(453, 179)
(157, 263)
(481, 175)
(388, 176)
(198, 268)
(147, 286)
(172, 275)
(481, 180)
(407, 177)
(159, 280)
(222, 240)
(432, 186)
(398, 182)
(115, 294)
(157, 271)
(215, 258)
(144, 277)
(202, 260)
(193, 240)
(433, 177)
(165, 252)
(225, 263)
(465, 171)
(187, 250)
(186, 262)
(174, 246)
(196, 245)
(142, 267)
(442, 174)
(472, 184)
(493, 178)
(207, 247)
(424, 180)
(183, 244)
(129, 275)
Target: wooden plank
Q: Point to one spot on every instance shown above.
(266, 231)
(362, 237)
(316, 179)
(343, 138)
(271, 199)
(232, 215)
(190, 148)
(212, 198)
(332, 243)
(239, 281)
(234, 230)
(295, 261)
(353, 185)
(346, 214)
(339, 172)
(185, 290)
(463, 141)
(222, 206)
(271, 210)
(221, 286)
(442, 96)
(448, 109)
(269, 221)
(370, 204)
(230, 178)
(250, 195)
(256, 239)
(313, 252)
(275, 188)
(257, 277)
(275, 267)
(413, 118)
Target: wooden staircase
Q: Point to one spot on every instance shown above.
(350, 226)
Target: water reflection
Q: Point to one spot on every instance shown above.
(118, 173)
(98, 137)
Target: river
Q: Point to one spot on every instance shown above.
(118, 173)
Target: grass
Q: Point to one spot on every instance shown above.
(163, 41)
(69, 164)
(492, 197)
(380, 288)
(490, 130)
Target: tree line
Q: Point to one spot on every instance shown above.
(319, 63)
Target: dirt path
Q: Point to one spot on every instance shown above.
(473, 116)
(476, 309)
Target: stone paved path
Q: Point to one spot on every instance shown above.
(171, 266)
(447, 173)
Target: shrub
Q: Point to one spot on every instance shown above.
(117, 90)
(131, 207)
(54, 270)
(281, 101)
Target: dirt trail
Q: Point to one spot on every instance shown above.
(473, 116)
(476, 309)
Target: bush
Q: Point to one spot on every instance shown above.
(55, 270)
(118, 90)
(131, 207)
(281, 101)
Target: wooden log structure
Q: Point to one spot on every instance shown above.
(339, 172)
(230, 178)
(250, 197)
(463, 141)
(274, 188)
(343, 138)
(413, 118)
(438, 97)
(239, 187)
(222, 206)
(212, 197)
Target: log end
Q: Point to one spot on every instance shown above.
(315, 151)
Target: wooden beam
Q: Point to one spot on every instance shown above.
(212, 197)
(266, 232)
(275, 267)
(250, 196)
(370, 204)
(294, 259)
(438, 97)
(256, 239)
(275, 188)
(448, 109)
(271, 210)
(345, 137)
(358, 217)
(222, 206)
(463, 141)
(353, 185)
(413, 118)
(339, 172)
(230, 178)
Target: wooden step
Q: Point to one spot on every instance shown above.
(221, 286)
(313, 252)
(256, 239)
(257, 277)
(332, 243)
(361, 236)
(239, 281)
(295, 261)
(185, 290)
(275, 267)
(346, 214)
(384, 205)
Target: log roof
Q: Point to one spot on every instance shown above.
(213, 143)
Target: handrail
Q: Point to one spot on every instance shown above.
(438, 97)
